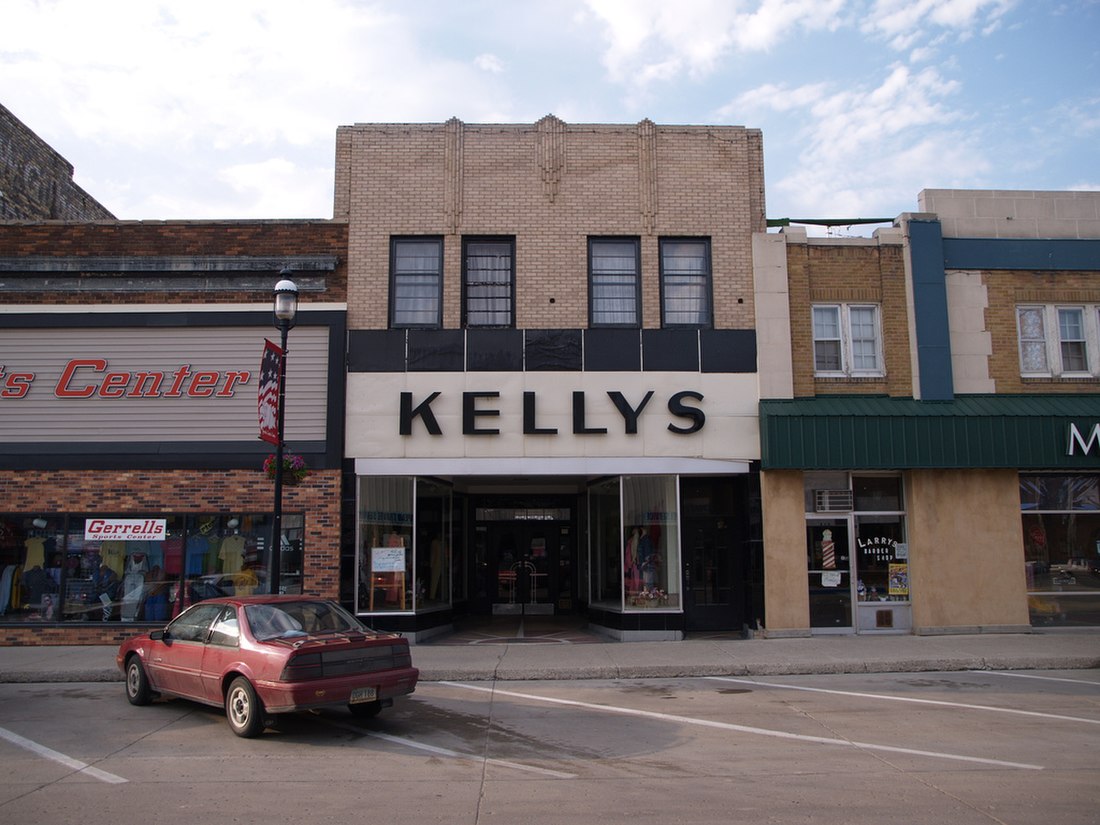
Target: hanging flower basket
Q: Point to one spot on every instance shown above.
(294, 468)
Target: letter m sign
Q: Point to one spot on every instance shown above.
(1077, 440)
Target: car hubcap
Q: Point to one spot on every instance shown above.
(132, 680)
(238, 707)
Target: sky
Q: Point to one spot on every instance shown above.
(228, 109)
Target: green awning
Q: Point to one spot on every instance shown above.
(974, 431)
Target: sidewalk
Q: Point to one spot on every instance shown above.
(551, 659)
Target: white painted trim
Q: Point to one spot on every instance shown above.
(144, 309)
(547, 466)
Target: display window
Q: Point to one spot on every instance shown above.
(405, 531)
(635, 550)
(135, 568)
(1061, 531)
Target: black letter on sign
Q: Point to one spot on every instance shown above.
(676, 407)
(630, 415)
(423, 410)
(578, 417)
(529, 427)
(470, 412)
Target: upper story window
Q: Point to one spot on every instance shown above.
(685, 282)
(847, 340)
(488, 282)
(1058, 340)
(614, 288)
(416, 282)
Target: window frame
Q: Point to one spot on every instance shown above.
(707, 321)
(847, 358)
(508, 240)
(593, 243)
(437, 241)
(1054, 343)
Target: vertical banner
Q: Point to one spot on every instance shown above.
(267, 401)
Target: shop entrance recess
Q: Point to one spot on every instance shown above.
(714, 554)
(524, 556)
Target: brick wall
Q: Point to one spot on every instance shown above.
(151, 239)
(36, 183)
(1009, 289)
(175, 492)
(551, 185)
(844, 273)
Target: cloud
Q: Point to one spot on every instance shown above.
(903, 23)
(862, 150)
(209, 83)
(489, 63)
(650, 40)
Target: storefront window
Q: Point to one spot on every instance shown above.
(433, 544)
(604, 510)
(127, 568)
(1062, 548)
(651, 541)
(385, 564)
(882, 559)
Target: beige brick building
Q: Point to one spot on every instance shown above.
(605, 359)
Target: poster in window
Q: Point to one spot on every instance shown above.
(899, 580)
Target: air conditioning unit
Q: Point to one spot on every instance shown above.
(832, 501)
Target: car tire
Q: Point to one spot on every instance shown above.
(138, 691)
(366, 710)
(243, 709)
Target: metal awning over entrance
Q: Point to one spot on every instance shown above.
(969, 432)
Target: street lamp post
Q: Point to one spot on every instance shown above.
(286, 307)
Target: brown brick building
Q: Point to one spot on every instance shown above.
(129, 366)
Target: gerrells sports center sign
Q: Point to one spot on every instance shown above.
(125, 529)
(91, 378)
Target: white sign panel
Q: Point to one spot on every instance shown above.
(125, 529)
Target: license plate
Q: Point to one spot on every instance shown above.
(367, 694)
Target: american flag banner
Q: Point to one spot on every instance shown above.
(267, 401)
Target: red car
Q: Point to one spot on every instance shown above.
(257, 656)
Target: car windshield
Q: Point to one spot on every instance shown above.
(290, 619)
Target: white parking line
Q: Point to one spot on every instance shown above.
(60, 758)
(411, 743)
(777, 734)
(1033, 676)
(885, 698)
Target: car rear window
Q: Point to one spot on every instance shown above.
(290, 619)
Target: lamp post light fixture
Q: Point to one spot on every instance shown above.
(286, 307)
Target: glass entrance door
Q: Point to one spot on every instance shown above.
(526, 560)
(829, 564)
(713, 564)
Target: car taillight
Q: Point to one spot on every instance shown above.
(302, 666)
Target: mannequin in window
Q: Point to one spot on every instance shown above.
(632, 568)
(133, 586)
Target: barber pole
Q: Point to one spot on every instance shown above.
(828, 550)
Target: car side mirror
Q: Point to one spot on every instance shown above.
(159, 635)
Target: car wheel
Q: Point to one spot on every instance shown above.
(366, 710)
(137, 683)
(244, 709)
